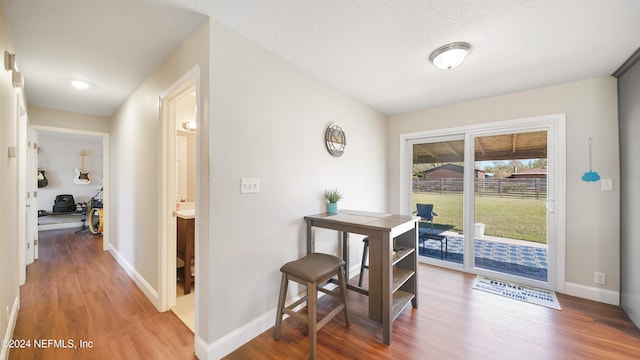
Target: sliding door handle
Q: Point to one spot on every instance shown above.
(550, 205)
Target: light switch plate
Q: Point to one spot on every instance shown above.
(249, 185)
(607, 184)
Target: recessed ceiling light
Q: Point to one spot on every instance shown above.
(79, 84)
(451, 55)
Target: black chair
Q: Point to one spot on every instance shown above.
(363, 265)
(426, 213)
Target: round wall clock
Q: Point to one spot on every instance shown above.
(335, 139)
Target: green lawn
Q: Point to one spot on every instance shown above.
(523, 219)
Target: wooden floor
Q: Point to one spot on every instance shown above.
(77, 292)
(453, 321)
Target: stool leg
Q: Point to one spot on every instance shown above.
(284, 283)
(365, 251)
(343, 291)
(441, 250)
(312, 299)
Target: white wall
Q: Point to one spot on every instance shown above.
(268, 121)
(9, 294)
(135, 157)
(67, 120)
(629, 87)
(592, 215)
(59, 156)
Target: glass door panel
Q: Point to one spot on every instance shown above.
(510, 216)
(438, 198)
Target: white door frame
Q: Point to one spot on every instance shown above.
(32, 194)
(25, 246)
(105, 173)
(556, 203)
(167, 209)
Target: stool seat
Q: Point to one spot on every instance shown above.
(313, 271)
(313, 267)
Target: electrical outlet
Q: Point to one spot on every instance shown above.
(600, 278)
(607, 185)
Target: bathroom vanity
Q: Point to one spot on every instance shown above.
(186, 245)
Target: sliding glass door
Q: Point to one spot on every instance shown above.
(437, 197)
(510, 193)
(490, 198)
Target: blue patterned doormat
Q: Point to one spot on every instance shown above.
(516, 291)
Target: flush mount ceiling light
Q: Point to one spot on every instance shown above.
(449, 56)
(79, 84)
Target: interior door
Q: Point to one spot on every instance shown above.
(32, 197)
(181, 167)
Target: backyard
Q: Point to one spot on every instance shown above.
(513, 218)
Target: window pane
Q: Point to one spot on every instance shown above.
(510, 215)
(438, 179)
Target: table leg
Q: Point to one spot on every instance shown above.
(387, 288)
(311, 243)
(380, 283)
(345, 253)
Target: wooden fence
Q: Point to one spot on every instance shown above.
(515, 188)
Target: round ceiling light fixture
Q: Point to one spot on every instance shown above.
(451, 55)
(79, 84)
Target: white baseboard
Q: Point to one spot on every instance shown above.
(13, 318)
(230, 342)
(146, 288)
(227, 344)
(354, 271)
(592, 293)
(57, 226)
(201, 348)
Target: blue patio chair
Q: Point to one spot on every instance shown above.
(426, 213)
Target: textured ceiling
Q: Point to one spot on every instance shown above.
(114, 45)
(378, 50)
(375, 50)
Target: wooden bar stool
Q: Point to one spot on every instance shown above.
(313, 271)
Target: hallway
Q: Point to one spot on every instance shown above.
(78, 295)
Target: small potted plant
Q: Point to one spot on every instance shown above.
(333, 196)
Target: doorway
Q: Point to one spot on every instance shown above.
(58, 157)
(493, 191)
(178, 214)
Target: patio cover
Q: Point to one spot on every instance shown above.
(530, 145)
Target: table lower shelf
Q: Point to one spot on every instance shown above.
(400, 276)
(400, 301)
